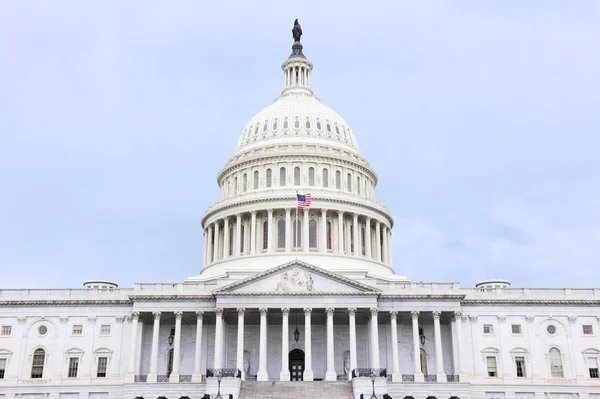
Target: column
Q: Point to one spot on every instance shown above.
(416, 347)
(308, 373)
(154, 350)
(240, 342)
(330, 374)
(226, 238)
(323, 230)
(305, 243)
(374, 339)
(216, 246)
(262, 374)
(238, 234)
(368, 238)
(288, 230)
(270, 234)
(284, 375)
(176, 348)
(377, 241)
(356, 232)
(253, 233)
(439, 363)
(458, 328)
(134, 324)
(352, 317)
(384, 251)
(389, 245)
(341, 232)
(396, 376)
(197, 376)
(218, 363)
(205, 253)
(209, 246)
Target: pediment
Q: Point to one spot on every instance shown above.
(297, 278)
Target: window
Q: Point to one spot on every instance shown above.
(338, 180)
(488, 329)
(235, 185)
(231, 241)
(282, 177)
(256, 131)
(255, 184)
(492, 370)
(170, 362)
(516, 328)
(329, 240)
(2, 368)
(77, 329)
(6, 331)
(592, 363)
(281, 234)
(328, 127)
(358, 185)
(242, 239)
(42, 330)
(269, 176)
(318, 125)
(37, 364)
(296, 176)
(297, 124)
(520, 364)
(285, 123)
(588, 329)
(275, 125)
(245, 182)
(312, 234)
(362, 240)
(551, 329)
(352, 238)
(105, 329)
(265, 234)
(311, 176)
(349, 182)
(337, 130)
(297, 233)
(555, 359)
(265, 127)
(102, 363)
(73, 367)
(325, 178)
(307, 124)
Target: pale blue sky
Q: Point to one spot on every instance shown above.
(481, 119)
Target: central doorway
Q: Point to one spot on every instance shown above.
(296, 362)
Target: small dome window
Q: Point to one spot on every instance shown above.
(285, 123)
(307, 124)
(337, 130)
(297, 124)
(256, 130)
(265, 127)
(275, 125)
(328, 127)
(318, 124)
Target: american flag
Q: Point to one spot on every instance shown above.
(304, 201)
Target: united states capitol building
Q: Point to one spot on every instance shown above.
(299, 302)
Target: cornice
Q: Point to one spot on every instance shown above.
(141, 298)
(527, 302)
(295, 294)
(70, 302)
(453, 297)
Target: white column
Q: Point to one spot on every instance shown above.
(134, 324)
(176, 348)
(209, 247)
(262, 374)
(341, 232)
(270, 234)
(416, 347)
(240, 342)
(323, 230)
(154, 351)
(284, 375)
(253, 233)
(205, 253)
(305, 243)
(396, 376)
(458, 324)
(226, 238)
(368, 238)
(352, 316)
(216, 249)
(197, 376)
(439, 363)
(389, 245)
(308, 373)
(378, 241)
(374, 339)
(357, 246)
(330, 374)
(238, 234)
(384, 251)
(288, 230)
(218, 363)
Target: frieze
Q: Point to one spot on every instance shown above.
(295, 281)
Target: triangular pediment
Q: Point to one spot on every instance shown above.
(297, 278)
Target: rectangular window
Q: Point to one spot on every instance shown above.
(105, 329)
(488, 329)
(491, 366)
(593, 366)
(6, 331)
(520, 363)
(588, 329)
(2, 368)
(102, 362)
(516, 328)
(77, 329)
(73, 367)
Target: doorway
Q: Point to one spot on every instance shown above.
(296, 362)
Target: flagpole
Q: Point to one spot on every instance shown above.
(296, 228)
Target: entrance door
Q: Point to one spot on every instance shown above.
(296, 361)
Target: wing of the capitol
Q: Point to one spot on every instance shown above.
(299, 302)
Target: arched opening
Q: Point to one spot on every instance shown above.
(282, 176)
(281, 234)
(311, 176)
(312, 234)
(296, 176)
(296, 362)
(338, 180)
(329, 240)
(556, 364)
(297, 226)
(255, 185)
(269, 177)
(325, 178)
(37, 365)
(423, 361)
(265, 235)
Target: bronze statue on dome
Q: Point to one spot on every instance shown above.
(297, 31)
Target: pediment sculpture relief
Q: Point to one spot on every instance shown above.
(295, 280)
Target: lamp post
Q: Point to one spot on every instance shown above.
(373, 376)
(219, 376)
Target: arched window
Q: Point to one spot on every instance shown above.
(245, 182)
(312, 234)
(556, 365)
(275, 125)
(265, 127)
(318, 125)
(358, 185)
(311, 176)
(362, 239)
(297, 123)
(285, 123)
(329, 240)
(307, 124)
(37, 364)
(265, 234)
(351, 238)
(242, 238)
(231, 241)
(337, 130)
(349, 182)
(338, 180)
(296, 176)
(282, 176)
(328, 127)
(256, 180)
(235, 185)
(269, 177)
(297, 233)
(325, 178)
(423, 356)
(170, 362)
(281, 234)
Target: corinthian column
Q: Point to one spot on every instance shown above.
(340, 232)
(439, 363)
(368, 252)
(416, 348)
(240, 342)
(270, 230)
(134, 325)
(253, 233)
(174, 377)
(395, 363)
(152, 375)
(197, 376)
(378, 241)
(308, 373)
(356, 233)
(284, 375)
(238, 234)
(374, 339)
(352, 317)
(330, 374)
(262, 374)
(218, 363)
(323, 230)
(216, 250)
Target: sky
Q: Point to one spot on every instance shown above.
(481, 119)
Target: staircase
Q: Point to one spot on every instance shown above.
(296, 390)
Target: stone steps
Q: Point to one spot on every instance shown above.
(296, 390)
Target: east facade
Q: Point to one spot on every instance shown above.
(299, 293)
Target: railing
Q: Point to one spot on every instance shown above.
(369, 373)
(162, 378)
(452, 378)
(408, 378)
(185, 378)
(219, 373)
(140, 378)
(430, 377)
